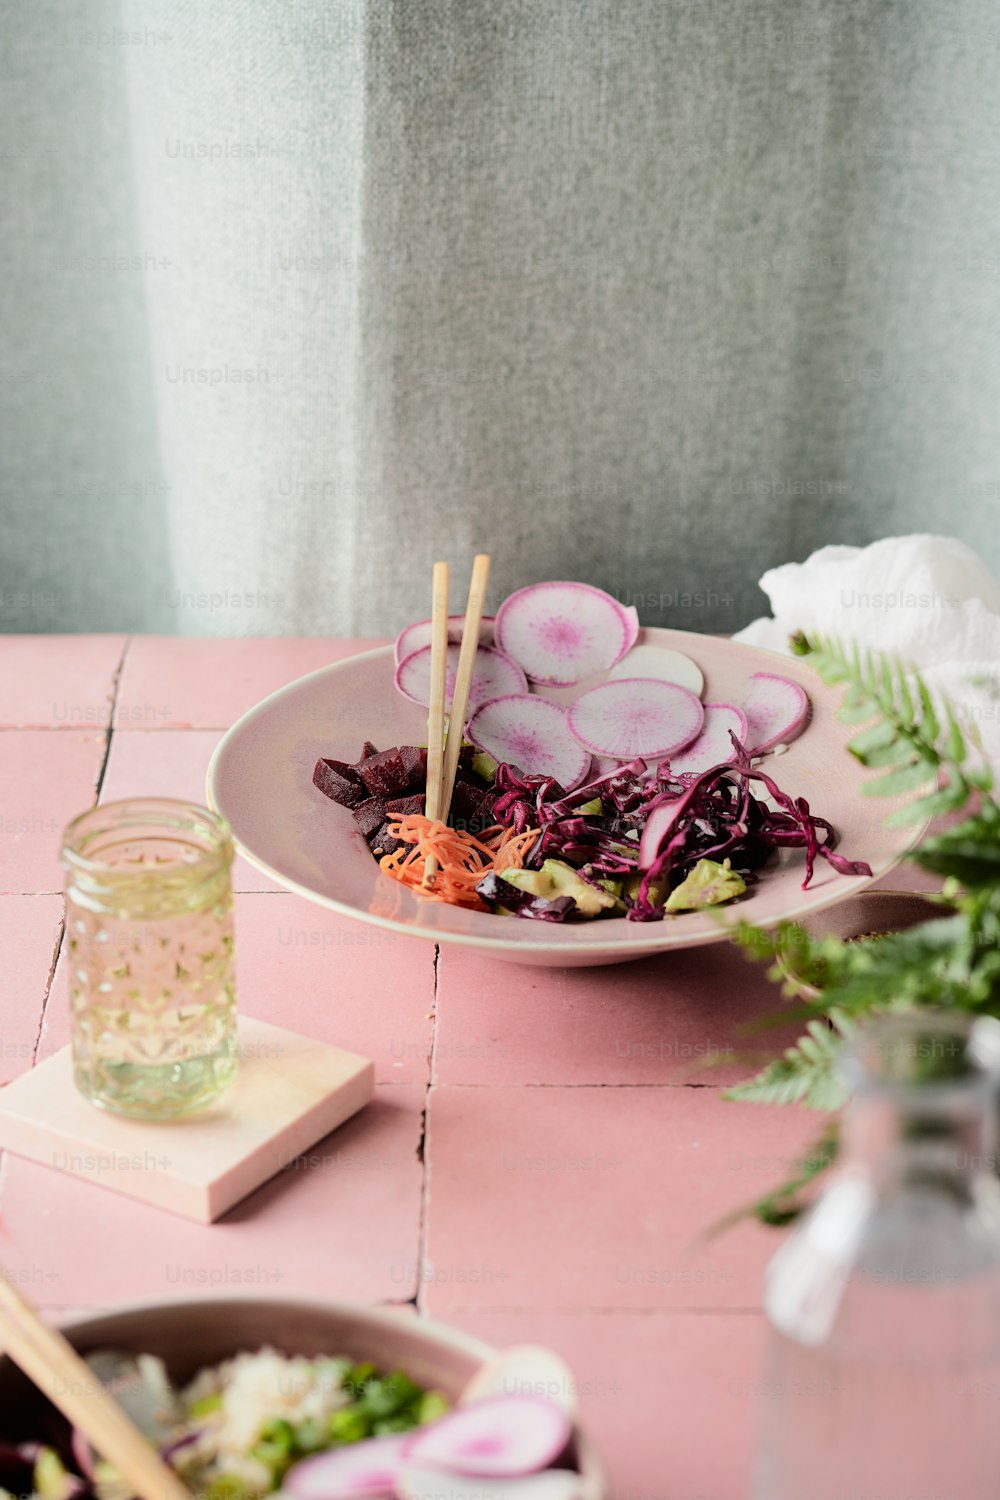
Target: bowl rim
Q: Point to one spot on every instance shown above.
(645, 945)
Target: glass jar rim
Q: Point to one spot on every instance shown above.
(867, 1063)
(174, 814)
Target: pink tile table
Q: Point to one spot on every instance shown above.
(544, 1149)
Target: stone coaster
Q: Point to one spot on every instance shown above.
(290, 1092)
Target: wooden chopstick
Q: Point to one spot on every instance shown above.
(60, 1374)
(463, 677)
(436, 709)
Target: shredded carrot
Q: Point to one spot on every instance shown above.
(462, 859)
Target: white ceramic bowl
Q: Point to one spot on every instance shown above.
(189, 1336)
(260, 778)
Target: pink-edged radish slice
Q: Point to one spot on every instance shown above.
(438, 1484)
(531, 734)
(503, 1437)
(659, 662)
(562, 632)
(492, 675)
(636, 716)
(713, 747)
(412, 637)
(368, 1470)
(656, 830)
(525, 1369)
(777, 711)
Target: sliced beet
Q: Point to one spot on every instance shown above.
(404, 806)
(414, 758)
(387, 774)
(493, 673)
(636, 716)
(471, 808)
(369, 816)
(777, 711)
(714, 745)
(531, 734)
(339, 781)
(384, 842)
(560, 633)
(367, 751)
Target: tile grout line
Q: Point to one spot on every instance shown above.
(115, 684)
(424, 1147)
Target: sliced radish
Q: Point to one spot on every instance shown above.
(713, 747)
(667, 666)
(531, 734)
(368, 1470)
(412, 637)
(654, 834)
(502, 1437)
(777, 711)
(562, 632)
(492, 675)
(636, 716)
(437, 1484)
(525, 1369)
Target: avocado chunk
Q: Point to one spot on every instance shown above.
(556, 878)
(708, 884)
(533, 881)
(52, 1482)
(656, 894)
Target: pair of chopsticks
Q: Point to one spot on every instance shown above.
(443, 747)
(54, 1366)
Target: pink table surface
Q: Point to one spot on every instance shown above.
(540, 1158)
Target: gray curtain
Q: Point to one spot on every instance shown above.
(299, 294)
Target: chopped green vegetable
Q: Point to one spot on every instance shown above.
(432, 1404)
(206, 1405)
(349, 1425)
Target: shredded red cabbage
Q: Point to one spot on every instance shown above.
(715, 815)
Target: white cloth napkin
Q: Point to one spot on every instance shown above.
(929, 601)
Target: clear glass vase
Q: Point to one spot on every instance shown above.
(149, 933)
(883, 1372)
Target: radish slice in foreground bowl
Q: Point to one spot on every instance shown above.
(777, 711)
(562, 632)
(412, 637)
(528, 1369)
(713, 747)
(436, 1484)
(531, 734)
(503, 1437)
(636, 716)
(492, 674)
(368, 1470)
(668, 666)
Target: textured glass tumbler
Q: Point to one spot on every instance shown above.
(149, 932)
(884, 1304)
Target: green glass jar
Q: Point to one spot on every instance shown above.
(149, 933)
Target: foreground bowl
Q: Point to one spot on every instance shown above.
(187, 1336)
(260, 779)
